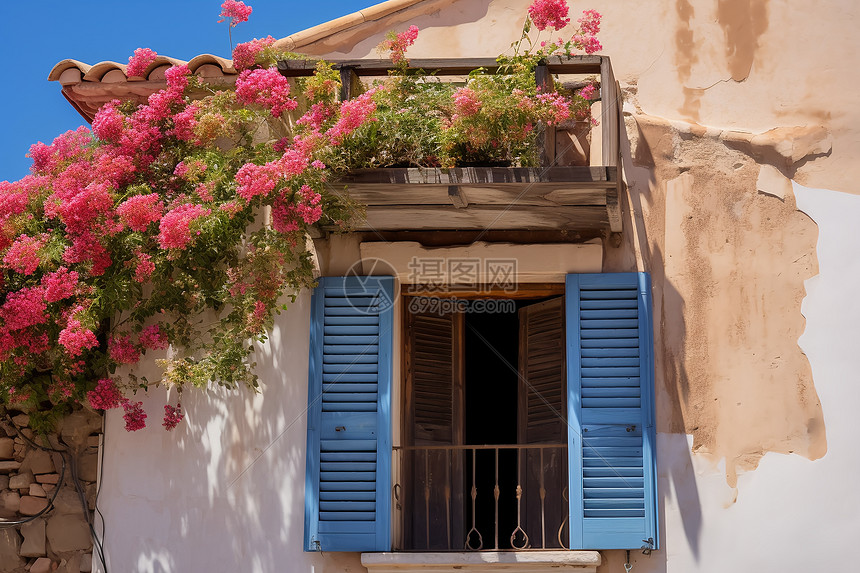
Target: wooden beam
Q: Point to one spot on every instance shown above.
(523, 291)
(546, 194)
(498, 217)
(447, 238)
(480, 176)
(440, 66)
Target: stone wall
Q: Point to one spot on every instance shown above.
(33, 480)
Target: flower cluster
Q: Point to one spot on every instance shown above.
(134, 416)
(236, 12)
(549, 14)
(396, 44)
(266, 88)
(174, 230)
(172, 416)
(138, 63)
(245, 55)
(105, 395)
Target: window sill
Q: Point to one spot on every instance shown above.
(481, 562)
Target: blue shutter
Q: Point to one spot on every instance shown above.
(611, 442)
(348, 472)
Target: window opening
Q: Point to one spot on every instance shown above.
(472, 426)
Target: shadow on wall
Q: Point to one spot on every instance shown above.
(711, 215)
(640, 251)
(224, 491)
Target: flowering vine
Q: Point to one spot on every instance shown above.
(145, 236)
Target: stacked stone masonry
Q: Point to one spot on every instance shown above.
(59, 539)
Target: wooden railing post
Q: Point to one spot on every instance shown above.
(350, 85)
(546, 143)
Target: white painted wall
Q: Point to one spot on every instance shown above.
(194, 500)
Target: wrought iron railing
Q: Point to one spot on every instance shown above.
(452, 498)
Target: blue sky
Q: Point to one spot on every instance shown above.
(39, 33)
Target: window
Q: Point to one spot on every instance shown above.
(610, 465)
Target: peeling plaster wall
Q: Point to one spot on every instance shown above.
(739, 155)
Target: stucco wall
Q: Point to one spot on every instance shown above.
(731, 108)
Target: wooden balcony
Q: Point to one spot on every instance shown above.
(553, 197)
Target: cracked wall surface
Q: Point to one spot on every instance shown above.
(728, 262)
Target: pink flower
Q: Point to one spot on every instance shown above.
(318, 114)
(466, 102)
(353, 114)
(152, 338)
(546, 13)
(245, 54)
(60, 284)
(558, 107)
(266, 88)
(23, 256)
(138, 63)
(139, 211)
(109, 122)
(397, 45)
(590, 22)
(172, 416)
(14, 197)
(87, 248)
(184, 123)
(204, 191)
(237, 12)
(588, 92)
(75, 338)
(177, 77)
(231, 208)
(24, 308)
(143, 267)
(305, 207)
(588, 44)
(105, 395)
(134, 416)
(121, 349)
(256, 180)
(174, 231)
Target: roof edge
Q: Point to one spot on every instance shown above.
(372, 13)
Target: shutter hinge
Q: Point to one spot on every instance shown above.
(316, 545)
(648, 547)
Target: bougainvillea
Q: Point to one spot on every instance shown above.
(127, 235)
(236, 12)
(138, 62)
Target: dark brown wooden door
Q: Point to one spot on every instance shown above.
(433, 488)
(542, 415)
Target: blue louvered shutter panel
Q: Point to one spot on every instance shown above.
(348, 474)
(611, 442)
